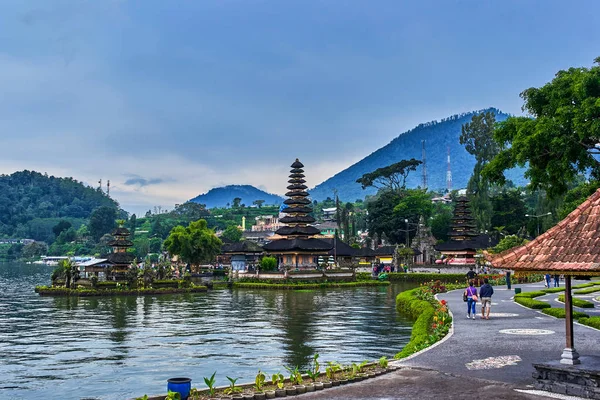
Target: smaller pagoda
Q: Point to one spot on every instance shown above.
(298, 248)
(120, 259)
(460, 250)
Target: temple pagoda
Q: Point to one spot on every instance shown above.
(120, 259)
(463, 244)
(298, 248)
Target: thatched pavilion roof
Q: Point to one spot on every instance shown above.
(572, 247)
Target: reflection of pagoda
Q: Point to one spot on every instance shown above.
(120, 258)
(462, 246)
(299, 248)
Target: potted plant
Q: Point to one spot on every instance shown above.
(259, 383)
(232, 389)
(277, 380)
(296, 380)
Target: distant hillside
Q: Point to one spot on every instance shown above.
(438, 136)
(32, 203)
(223, 196)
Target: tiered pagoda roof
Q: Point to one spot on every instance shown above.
(298, 232)
(120, 244)
(463, 235)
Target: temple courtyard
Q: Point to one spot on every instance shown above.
(481, 358)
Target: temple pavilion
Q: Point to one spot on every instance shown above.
(460, 250)
(120, 259)
(298, 247)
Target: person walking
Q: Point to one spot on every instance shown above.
(556, 280)
(547, 283)
(471, 293)
(471, 274)
(485, 292)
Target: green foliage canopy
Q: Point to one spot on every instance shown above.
(194, 244)
(561, 139)
(392, 177)
(232, 233)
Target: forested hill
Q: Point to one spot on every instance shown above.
(438, 136)
(31, 204)
(224, 196)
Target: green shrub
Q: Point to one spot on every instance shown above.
(577, 302)
(531, 295)
(422, 312)
(594, 322)
(586, 285)
(553, 290)
(560, 313)
(299, 286)
(531, 303)
(106, 285)
(589, 290)
(364, 276)
(268, 264)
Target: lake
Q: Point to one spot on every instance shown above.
(123, 347)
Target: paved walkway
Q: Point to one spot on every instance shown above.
(481, 359)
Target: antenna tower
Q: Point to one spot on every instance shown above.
(100, 184)
(424, 165)
(108, 188)
(449, 174)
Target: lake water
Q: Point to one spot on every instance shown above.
(122, 347)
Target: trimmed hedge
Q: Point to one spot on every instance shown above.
(61, 291)
(531, 295)
(560, 313)
(298, 286)
(586, 285)
(553, 290)
(594, 322)
(589, 290)
(422, 313)
(577, 302)
(364, 276)
(531, 303)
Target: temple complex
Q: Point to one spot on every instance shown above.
(460, 250)
(298, 247)
(120, 259)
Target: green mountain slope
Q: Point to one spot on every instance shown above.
(31, 204)
(223, 196)
(439, 135)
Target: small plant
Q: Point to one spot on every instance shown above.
(362, 365)
(173, 396)
(259, 381)
(332, 368)
(351, 371)
(194, 394)
(277, 380)
(295, 375)
(383, 362)
(210, 382)
(232, 388)
(144, 397)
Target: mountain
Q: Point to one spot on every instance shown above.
(31, 204)
(223, 196)
(438, 136)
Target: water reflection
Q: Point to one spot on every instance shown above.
(120, 347)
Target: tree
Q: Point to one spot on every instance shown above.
(478, 138)
(102, 221)
(509, 211)
(258, 203)
(576, 196)
(440, 221)
(34, 250)
(232, 233)
(236, 202)
(70, 272)
(561, 140)
(60, 227)
(392, 177)
(194, 244)
(508, 242)
(132, 225)
(268, 264)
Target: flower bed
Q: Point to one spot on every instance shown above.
(432, 320)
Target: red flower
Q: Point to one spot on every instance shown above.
(444, 302)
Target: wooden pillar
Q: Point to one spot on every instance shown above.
(569, 355)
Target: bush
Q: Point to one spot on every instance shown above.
(531, 303)
(594, 322)
(589, 290)
(577, 302)
(106, 285)
(364, 276)
(560, 313)
(268, 264)
(530, 295)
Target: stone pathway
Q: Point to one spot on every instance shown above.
(482, 359)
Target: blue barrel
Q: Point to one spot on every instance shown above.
(181, 386)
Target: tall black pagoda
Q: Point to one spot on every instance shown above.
(120, 259)
(460, 250)
(299, 248)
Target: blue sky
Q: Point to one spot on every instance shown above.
(168, 99)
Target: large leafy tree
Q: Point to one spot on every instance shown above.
(194, 244)
(392, 177)
(102, 221)
(509, 211)
(232, 233)
(561, 137)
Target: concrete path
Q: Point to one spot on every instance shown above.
(483, 358)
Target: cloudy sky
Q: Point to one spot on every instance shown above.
(168, 99)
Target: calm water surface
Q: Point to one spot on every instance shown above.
(122, 347)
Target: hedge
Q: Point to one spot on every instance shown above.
(297, 286)
(586, 285)
(589, 290)
(364, 276)
(531, 295)
(594, 322)
(61, 291)
(531, 303)
(553, 290)
(560, 313)
(577, 302)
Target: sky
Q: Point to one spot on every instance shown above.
(168, 99)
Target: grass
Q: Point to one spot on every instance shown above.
(594, 322)
(577, 302)
(560, 313)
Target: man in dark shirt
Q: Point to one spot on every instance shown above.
(485, 292)
(471, 274)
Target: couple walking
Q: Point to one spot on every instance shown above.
(485, 292)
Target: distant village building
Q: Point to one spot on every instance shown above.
(266, 223)
(327, 228)
(298, 248)
(16, 241)
(329, 214)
